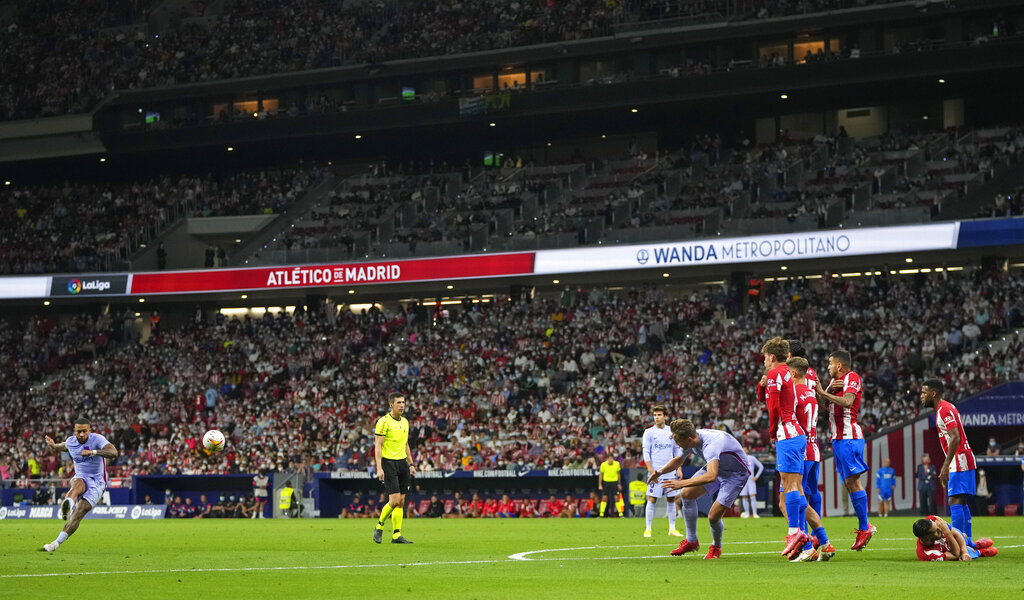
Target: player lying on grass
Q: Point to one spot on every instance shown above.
(939, 541)
(724, 474)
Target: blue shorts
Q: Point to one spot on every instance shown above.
(810, 477)
(789, 455)
(972, 550)
(961, 482)
(885, 495)
(849, 457)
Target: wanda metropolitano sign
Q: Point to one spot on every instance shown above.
(714, 251)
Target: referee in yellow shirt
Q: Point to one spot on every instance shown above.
(394, 466)
(609, 482)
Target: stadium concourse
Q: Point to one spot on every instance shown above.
(492, 383)
(63, 58)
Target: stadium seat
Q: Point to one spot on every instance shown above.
(991, 510)
(423, 506)
(542, 507)
(1010, 510)
(449, 506)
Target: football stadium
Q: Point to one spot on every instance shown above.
(544, 298)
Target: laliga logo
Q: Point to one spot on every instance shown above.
(642, 256)
(3, 512)
(136, 512)
(76, 286)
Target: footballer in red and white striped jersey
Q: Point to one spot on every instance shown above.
(807, 416)
(782, 404)
(842, 419)
(933, 552)
(947, 417)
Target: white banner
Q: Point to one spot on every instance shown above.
(24, 287)
(754, 249)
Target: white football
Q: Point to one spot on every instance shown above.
(213, 441)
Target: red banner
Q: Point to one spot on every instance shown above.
(265, 278)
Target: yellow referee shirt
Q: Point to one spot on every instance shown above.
(396, 436)
(610, 471)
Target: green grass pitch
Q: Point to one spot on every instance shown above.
(550, 558)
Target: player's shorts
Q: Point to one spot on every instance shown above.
(849, 457)
(972, 550)
(656, 491)
(789, 455)
(397, 479)
(749, 488)
(94, 488)
(811, 471)
(961, 482)
(726, 487)
(885, 495)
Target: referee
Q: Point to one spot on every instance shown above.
(394, 466)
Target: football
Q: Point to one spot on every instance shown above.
(213, 441)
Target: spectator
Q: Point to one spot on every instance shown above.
(927, 478)
(993, 447)
(436, 508)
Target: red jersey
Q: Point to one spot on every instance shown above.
(782, 404)
(947, 418)
(937, 551)
(490, 508)
(507, 507)
(555, 507)
(812, 378)
(843, 420)
(807, 416)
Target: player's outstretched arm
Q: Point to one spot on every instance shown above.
(670, 466)
(108, 451)
(61, 447)
(846, 400)
(710, 475)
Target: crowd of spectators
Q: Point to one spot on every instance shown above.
(478, 507)
(63, 57)
(499, 384)
(86, 226)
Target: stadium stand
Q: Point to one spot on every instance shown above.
(493, 382)
(64, 58)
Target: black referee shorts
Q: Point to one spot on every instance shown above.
(396, 476)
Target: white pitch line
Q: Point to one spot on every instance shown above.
(518, 557)
(255, 569)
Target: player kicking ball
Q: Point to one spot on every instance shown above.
(939, 541)
(724, 473)
(90, 452)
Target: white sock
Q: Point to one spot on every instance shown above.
(61, 538)
(649, 513)
(690, 518)
(717, 528)
(671, 512)
(793, 530)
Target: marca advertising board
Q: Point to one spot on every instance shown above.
(130, 512)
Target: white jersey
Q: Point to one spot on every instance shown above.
(659, 448)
